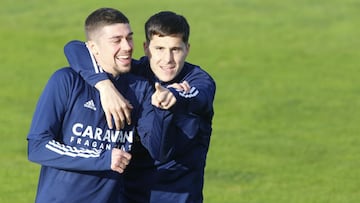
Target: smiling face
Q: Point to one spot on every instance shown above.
(112, 47)
(167, 55)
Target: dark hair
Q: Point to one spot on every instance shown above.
(102, 17)
(167, 23)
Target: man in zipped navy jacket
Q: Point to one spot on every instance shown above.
(179, 179)
(82, 158)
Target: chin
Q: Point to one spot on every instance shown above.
(166, 79)
(125, 69)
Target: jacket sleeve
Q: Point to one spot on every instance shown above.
(81, 60)
(153, 128)
(45, 144)
(194, 112)
(199, 100)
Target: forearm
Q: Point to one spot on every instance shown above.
(156, 137)
(54, 154)
(81, 60)
(198, 100)
(105, 85)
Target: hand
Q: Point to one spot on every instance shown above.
(162, 97)
(184, 86)
(114, 105)
(119, 160)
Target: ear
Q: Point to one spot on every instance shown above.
(146, 48)
(92, 47)
(187, 48)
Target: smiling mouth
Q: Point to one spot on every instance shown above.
(124, 58)
(167, 68)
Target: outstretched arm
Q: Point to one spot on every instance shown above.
(115, 106)
(153, 127)
(193, 110)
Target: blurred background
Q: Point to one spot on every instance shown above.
(286, 126)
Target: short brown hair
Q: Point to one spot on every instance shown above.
(166, 23)
(102, 17)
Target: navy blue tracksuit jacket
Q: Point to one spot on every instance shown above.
(179, 177)
(70, 139)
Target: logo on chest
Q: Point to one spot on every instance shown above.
(90, 104)
(94, 137)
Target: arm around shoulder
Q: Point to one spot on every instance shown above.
(81, 60)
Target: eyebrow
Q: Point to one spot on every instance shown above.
(120, 36)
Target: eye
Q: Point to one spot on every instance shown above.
(129, 38)
(116, 41)
(176, 49)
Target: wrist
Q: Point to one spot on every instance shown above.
(103, 85)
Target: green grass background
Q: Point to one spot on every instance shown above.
(286, 126)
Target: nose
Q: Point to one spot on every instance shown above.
(168, 56)
(126, 45)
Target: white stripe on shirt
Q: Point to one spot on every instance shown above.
(71, 151)
(97, 69)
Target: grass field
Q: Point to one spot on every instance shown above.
(287, 108)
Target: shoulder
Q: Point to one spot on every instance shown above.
(196, 71)
(65, 72)
(65, 76)
(195, 68)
